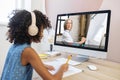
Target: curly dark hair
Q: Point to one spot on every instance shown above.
(19, 23)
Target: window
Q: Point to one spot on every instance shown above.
(61, 20)
(6, 7)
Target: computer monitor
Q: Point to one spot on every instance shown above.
(88, 35)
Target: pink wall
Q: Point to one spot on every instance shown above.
(114, 40)
(55, 7)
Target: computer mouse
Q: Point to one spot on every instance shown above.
(92, 67)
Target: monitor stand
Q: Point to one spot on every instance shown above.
(80, 58)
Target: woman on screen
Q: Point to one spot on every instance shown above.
(66, 36)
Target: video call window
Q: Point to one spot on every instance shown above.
(90, 30)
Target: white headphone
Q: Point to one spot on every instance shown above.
(33, 29)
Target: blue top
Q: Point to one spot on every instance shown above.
(13, 69)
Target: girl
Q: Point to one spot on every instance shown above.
(24, 28)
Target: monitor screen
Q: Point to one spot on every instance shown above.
(86, 30)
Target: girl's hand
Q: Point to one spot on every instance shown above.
(65, 67)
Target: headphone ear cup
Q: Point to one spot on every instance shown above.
(33, 29)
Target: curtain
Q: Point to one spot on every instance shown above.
(84, 25)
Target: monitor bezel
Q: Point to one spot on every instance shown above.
(88, 12)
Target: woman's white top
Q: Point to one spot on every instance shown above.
(66, 37)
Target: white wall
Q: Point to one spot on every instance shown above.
(39, 5)
(4, 46)
(31, 5)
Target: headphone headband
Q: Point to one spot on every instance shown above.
(33, 18)
(33, 29)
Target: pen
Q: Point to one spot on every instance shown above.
(69, 57)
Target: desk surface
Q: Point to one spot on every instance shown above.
(107, 70)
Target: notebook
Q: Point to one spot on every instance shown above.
(56, 64)
(43, 56)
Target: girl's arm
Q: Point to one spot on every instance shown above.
(30, 56)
